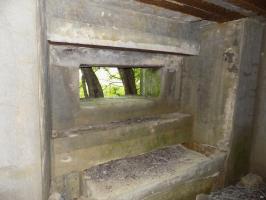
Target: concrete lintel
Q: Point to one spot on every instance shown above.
(71, 56)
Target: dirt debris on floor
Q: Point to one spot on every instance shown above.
(251, 187)
(150, 164)
(146, 175)
(239, 192)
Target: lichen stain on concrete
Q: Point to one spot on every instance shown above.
(230, 58)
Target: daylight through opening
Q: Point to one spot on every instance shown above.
(111, 82)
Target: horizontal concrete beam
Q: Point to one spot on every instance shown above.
(108, 110)
(72, 56)
(111, 26)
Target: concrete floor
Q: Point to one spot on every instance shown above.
(240, 193)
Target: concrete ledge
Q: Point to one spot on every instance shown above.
(80, 148)
(171, 173)
(106, 110)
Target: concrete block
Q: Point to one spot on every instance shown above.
(165, 174)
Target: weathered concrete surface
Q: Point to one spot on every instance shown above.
(24, 143)
(115, 26)
(76, 151)
(244, 110)
(150, 83)
(170, 173)
(44, 101)
(258, 161)
(73, 56)
(148, 9)
(68, 185)
(64, 95)
(209, 82)
(218, 88)
(80, 148)
(108, 110)
(64, 84)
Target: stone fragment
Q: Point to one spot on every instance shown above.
(251, 181)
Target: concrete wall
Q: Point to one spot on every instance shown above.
(111, 24)
(258, 161)
(244, 109)
(64, 78)
(93, 147)
(209, 82)
(219, 87)
(24, 143)
(150, 82)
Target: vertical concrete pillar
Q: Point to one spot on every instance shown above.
(244, 108)
(24, 138)
(257, 158)
(64, 95)
(219, 89)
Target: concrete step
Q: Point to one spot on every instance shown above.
(77, 149)
(170, 173)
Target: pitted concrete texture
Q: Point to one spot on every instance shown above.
(80, 148)
(24, 123)
(150, 175)
(239, 192)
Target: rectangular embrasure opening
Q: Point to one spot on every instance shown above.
(118, 82)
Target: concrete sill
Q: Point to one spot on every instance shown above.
(107, 110)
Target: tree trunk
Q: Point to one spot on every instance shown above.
(84, 87)
(128, 79)
(94, 86)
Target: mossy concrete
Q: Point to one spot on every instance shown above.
(185, 191)
(150, 82)
(78, 149)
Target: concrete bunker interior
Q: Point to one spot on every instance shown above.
(196, 126)
(86, 136)
(97, 133)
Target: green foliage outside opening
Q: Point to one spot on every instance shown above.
(111, 82)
